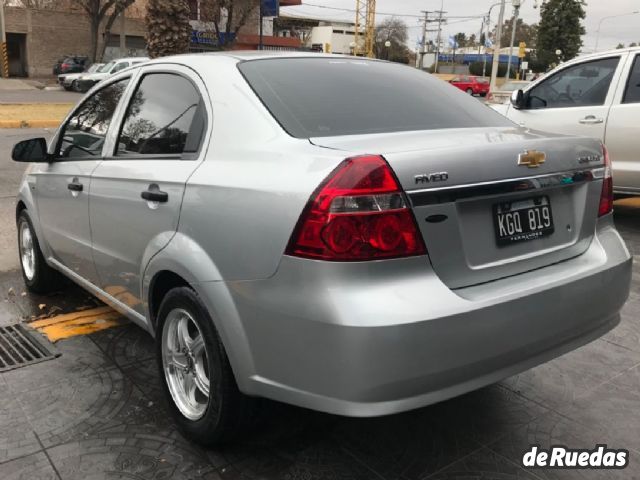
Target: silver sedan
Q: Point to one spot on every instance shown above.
(337, 233)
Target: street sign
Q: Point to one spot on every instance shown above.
(270, 8)
(524, 66)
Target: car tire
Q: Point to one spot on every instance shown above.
(470, 91)
(38, 276)
(74, 86)
(192, 361)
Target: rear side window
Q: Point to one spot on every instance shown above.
(316, 97)
(160, 117)
(632, 94)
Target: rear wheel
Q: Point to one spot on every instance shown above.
(197, 378)
(74, 86)
(38, 276)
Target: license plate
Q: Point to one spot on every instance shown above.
(523, 220)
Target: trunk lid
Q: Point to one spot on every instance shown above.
(458, 180)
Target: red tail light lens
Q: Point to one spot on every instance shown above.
(358, 213)
(606, 198)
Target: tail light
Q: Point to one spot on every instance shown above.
(65, 65)
(606, 198)
(358, 213)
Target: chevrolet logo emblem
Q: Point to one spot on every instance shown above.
(532, 159)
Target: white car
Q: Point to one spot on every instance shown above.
(69, 81)
(86, 81)
(597, 96)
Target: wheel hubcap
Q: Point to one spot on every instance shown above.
(27, 251)
(186, 369)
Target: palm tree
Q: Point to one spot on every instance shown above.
(168, 29)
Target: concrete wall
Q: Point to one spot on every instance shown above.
(54, 34)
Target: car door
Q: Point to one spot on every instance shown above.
(62, 187)
(622, 137)
(136, 192)
(572, 101)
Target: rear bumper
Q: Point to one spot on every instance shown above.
(380, 338)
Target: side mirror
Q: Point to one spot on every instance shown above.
(33, 150)
(518, 99)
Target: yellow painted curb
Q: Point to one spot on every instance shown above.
(33, 115)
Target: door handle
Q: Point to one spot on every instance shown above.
(75, 186)
(591, 120)
(155, 196)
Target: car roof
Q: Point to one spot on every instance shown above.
(606, 53)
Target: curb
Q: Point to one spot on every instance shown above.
(29, 123)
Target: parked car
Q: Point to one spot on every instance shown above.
(503, 94)
(360, 251)
(70, 64)
(88, 80)
(595, 96)
(70, 81)
(472, 85)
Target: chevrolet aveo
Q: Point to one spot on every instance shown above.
(341, 234)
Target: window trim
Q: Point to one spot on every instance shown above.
(567, 67)
(635, 63)
(60, 135)
(161, 156)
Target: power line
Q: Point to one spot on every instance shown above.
(407, 15)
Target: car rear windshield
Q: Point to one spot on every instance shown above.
(323, 97)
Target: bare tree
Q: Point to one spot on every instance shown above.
(98, 11)
(228, 17)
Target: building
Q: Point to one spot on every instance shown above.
(329, 36)
(38, 38)
(204, 37)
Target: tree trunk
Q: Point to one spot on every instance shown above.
(95, 32)
(168, 29)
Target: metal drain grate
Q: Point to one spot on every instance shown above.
(19, 348)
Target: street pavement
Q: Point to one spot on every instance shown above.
(96, 412)
(39, 96)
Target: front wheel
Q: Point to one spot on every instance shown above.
(197, 377)
(470, 91)
(38, 276)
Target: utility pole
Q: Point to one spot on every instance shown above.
(424, 39)
(4, 59)
(439, 38)
(514, 27)
(496, 58)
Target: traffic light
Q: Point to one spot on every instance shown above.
(523, 50)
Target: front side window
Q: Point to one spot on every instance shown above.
(120, 66)
(160, 116)
(85, 132)
(632, 93)
(582, 85)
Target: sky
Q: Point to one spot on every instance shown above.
(624, 29)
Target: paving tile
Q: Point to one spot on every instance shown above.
(87, 406)
(407, 446)
(31, 467)
(566, 378)
(131, 456)
(125, 345)
(485, 415)
(627, 334)
(553, 429)
(80, 357)
(322, 460)
(9, 312)
(16, 435)
(612, 410)
(483, 465)
(146, 376)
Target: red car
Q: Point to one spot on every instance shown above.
(472, 85)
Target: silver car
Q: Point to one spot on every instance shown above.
(337, 233)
